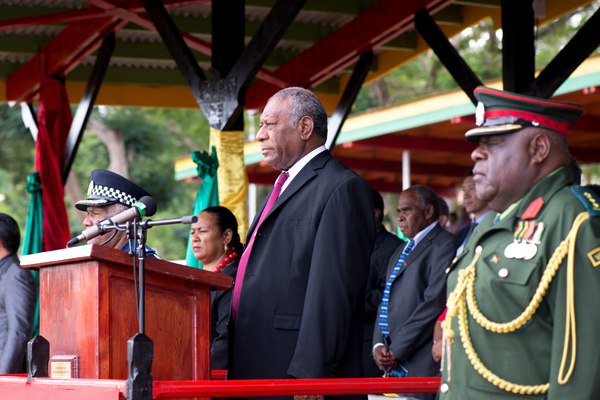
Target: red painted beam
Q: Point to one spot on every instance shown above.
(589, 155)
(85, 14)
(383, 186)
(55, 18)
(587, 124)
(83, 36)
(372, 28)
(267, 178)
(63, 53)
(404, 142)
(290, 387)
(395, 167)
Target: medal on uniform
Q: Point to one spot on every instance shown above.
(524, 245)
(513, 248)
(531, 251)
(534, 241)
(520, 250)
(509, 250)
(524, 248)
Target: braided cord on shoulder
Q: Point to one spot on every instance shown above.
(463, 297)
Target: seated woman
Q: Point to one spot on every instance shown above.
(216, 244)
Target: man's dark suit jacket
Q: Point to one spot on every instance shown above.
(417, 298)
(301, 308)
(18, 297)
(385, 244)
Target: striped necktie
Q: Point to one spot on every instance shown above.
(383, 319)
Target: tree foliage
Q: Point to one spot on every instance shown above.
(481, 48)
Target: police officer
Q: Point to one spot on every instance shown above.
(108, 195)
(523, 297)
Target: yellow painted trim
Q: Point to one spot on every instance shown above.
(589, 66)
(185, 163)
(557, 8)
(129, 95)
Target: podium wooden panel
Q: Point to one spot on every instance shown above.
(88, 308)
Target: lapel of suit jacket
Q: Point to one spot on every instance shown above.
(419, 248)
(306, 174)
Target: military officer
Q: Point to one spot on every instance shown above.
(523, 297)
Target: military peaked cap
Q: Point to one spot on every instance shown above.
(504, 112)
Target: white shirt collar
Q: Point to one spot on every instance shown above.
(301, 163)
(424, 232)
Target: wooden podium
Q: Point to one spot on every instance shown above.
(88, 308)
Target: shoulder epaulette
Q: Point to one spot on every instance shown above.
(590, 201)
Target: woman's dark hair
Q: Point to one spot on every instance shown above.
(226, 220)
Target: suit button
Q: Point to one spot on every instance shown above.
(444, 388)
(503, 273)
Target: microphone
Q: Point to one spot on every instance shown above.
(146, 206)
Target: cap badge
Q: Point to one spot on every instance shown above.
(90, 188)
(480, 114)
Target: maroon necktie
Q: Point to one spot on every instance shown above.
(239, 278)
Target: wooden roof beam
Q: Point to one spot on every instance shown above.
(369, 30)
(63, 53)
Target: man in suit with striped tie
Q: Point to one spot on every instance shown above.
(414, 295)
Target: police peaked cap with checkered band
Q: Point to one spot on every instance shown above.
(108, 188)
(501, 112)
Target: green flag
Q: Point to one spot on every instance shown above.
(32, 243)
(208, 193)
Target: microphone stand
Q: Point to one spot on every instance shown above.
(140, 348)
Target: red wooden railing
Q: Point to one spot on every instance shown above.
(289, 387)
(16, 386)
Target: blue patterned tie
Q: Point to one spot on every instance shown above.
(383, 320)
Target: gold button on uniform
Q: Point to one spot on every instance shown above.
(444, 388)
(503, 273)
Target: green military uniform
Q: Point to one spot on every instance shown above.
(506, 278)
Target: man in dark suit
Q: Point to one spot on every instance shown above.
(17, 300)
(403, 338)
(298, 302)
(385, 244)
